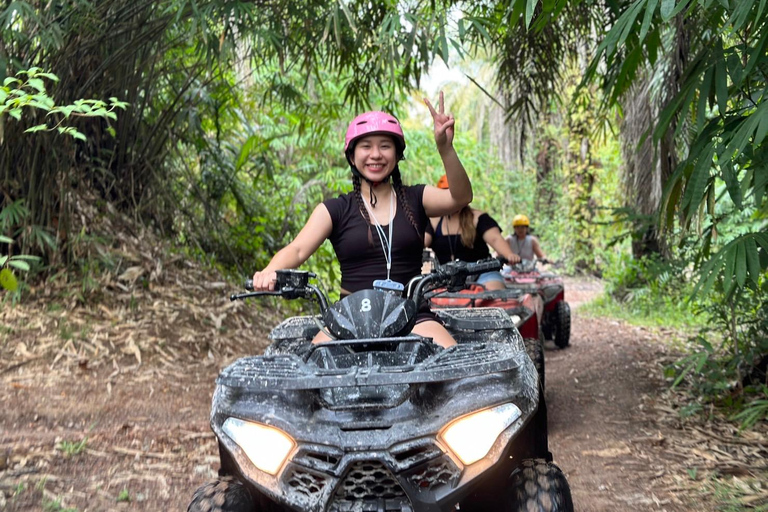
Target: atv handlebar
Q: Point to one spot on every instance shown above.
(294, 284)
(454, 275)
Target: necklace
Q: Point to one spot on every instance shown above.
(451, 241)
(386, 243)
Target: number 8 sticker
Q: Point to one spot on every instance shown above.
(365, 305)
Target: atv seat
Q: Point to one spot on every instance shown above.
(475, 319)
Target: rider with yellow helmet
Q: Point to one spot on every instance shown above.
(525, 245)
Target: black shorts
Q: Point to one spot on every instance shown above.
(425, 314)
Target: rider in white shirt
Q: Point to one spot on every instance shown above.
(524, 245)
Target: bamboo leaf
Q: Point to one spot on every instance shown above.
(5, 240)
(21, 265)
(760, 183)
(706, 83)
(672, 193)
(753, 260)
(740, 12)
(348, 15)
(729, 268)
(731, 182)
(761, 114)
(743, 132)
(632, 13)
(760, 9)
(697, 183)
(667, 8)
(530, 8)
(741, 265)
(27, 257)
(650, 9)
(721, 84)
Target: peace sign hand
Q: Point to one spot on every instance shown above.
(443, 124)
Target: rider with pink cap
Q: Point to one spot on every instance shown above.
(377, 229)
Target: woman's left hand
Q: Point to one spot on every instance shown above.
(443, 123)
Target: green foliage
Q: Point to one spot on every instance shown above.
(72, 448)
(755, 411)
(721, 102)
(27, 90)
(56, 506)
(649, 292)
(8, 262)
(737, 494)
(124, 496)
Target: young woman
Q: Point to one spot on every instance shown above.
(466, 236)
(527, 246)
(377, 230)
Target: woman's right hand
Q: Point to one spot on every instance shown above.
(444, 124)
(264, 280)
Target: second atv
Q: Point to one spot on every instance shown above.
(556, 322)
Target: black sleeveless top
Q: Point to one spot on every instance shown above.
(444, 245)
(362, 263)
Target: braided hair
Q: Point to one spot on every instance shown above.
(397, 182)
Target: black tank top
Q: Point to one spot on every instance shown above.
(362, 263)
(444, 245)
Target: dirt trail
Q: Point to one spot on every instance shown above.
(132, 436)
(603, 430)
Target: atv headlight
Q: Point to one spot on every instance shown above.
(472, 437)
(266, 447)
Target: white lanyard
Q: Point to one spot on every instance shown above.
(386, 243)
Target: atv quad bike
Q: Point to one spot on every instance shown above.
(556, 322)
(380, 419)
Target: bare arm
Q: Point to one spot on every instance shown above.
(493, 238)
(537, 249)
(315, 231)
(438, 202)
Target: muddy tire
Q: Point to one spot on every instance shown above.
(547, 327)
(535, 350)
(224, 495)
(562, 324)
(539, 486)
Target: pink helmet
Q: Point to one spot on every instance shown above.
(374, 123)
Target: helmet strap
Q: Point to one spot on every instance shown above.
(372, 184)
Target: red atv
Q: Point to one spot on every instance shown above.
(525, 309)
(556, 322)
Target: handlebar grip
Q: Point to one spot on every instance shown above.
(483, 266)
(249, 285)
